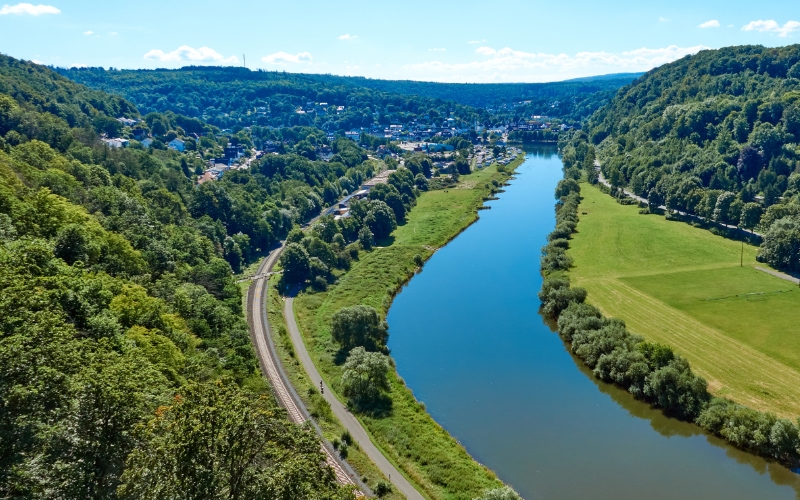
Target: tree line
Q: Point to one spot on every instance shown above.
(651, 372)
(713, 135)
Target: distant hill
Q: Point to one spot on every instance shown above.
(228, 96)
(613, 76)
(487, 94)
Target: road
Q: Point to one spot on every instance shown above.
(348, 420)
(630, 194)
(272, 368)
(780, 275)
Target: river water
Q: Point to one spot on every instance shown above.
(469, 341)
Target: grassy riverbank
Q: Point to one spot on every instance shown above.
(409, 437)
(684, 287)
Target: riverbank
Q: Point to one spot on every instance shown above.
(734, 324)
(409, 437)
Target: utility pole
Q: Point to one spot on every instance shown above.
(244, 61)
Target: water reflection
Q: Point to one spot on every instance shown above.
(671, 427)
(468, 339)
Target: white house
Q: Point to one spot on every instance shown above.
(116, 143)
(176, 144)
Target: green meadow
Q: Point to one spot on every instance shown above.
(683, 286)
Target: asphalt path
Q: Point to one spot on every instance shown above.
(348, 420)
(271, 366)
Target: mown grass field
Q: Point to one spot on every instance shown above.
(683, 286)
(410, 438)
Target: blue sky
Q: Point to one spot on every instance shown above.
(464, 41)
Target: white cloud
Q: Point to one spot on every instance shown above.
(347, 36)
(113, 33)
(474, 42)
(36, 61)
(771, 26)
(663, 19)
(437, 49)
(710, 24)
(184, 53)
(286, 58)
(87, 33)
(27, 8)
(509, 65)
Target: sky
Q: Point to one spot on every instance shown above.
(446, 41)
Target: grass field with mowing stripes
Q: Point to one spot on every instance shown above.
(683, 286)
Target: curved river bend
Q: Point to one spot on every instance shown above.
(468, 339)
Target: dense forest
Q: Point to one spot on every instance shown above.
(482, 95)
(230, 97)
(714, 135)
(126, 368)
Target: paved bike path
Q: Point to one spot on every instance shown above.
(348, 420)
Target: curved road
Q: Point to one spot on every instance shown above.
(285, 392)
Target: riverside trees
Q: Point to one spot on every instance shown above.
(365, 378)
(655, 373)
(359, 326)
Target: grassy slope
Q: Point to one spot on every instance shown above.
(683, 286)
(421, 448)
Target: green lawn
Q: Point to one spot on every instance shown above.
(425, 452)
(683, 286)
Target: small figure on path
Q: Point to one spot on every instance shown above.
(321, 389)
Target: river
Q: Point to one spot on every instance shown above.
(469, 341)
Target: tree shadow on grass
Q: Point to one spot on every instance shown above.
(381, 407)
(385, 242)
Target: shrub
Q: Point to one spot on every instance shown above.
(382, 489)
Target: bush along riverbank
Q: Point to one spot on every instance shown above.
(651, 372)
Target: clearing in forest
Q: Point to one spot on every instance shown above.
(683, 286)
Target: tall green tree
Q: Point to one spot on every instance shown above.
(359, 326)
(215, 441)
(365, 377)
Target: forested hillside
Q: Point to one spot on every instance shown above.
(572, 100)
(715, 134)
(126, 367)
(227, 97)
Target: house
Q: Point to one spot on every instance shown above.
(220, 161)
(234, 152)
(128, 122)
(116, 143)
(177, 145)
